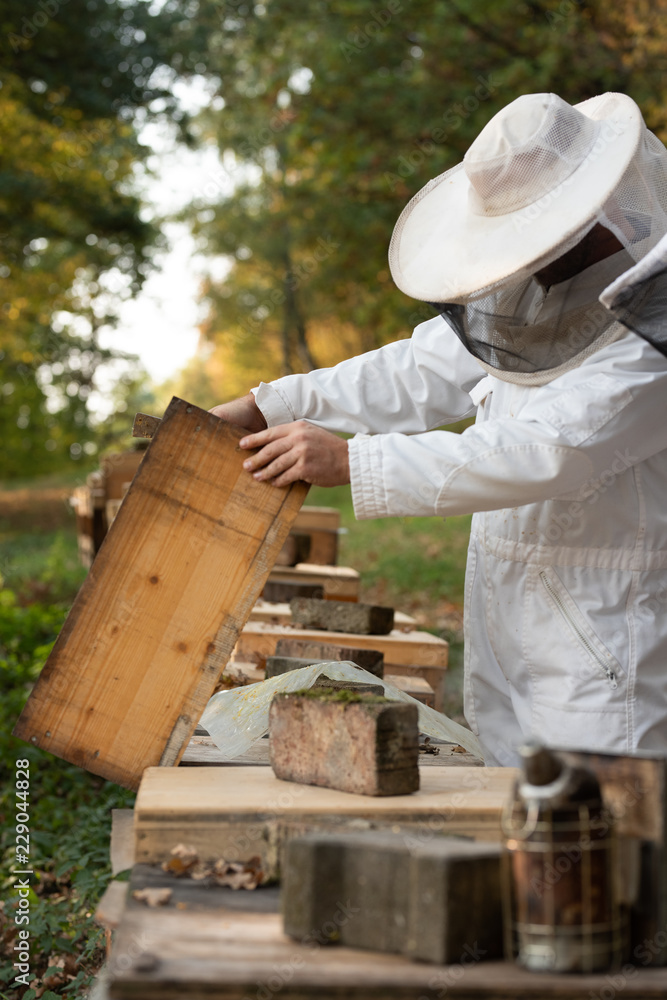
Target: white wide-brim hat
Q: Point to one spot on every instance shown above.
(536, 176)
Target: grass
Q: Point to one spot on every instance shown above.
(413, 564)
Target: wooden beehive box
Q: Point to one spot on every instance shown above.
(165, 601)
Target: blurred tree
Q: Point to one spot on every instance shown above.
(78, 79)
(331, 115)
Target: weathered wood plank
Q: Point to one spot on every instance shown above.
(121, 848)
(158, 616)
(169, 955)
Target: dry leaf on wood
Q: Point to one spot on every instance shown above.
(183, 858)
(153, 897)
(238, 875)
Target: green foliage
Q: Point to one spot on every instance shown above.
(69, 823)
(79, 79)
(40, 565)
(332, 116)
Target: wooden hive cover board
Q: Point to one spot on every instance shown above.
(339, 582)
(242, 812)
(317, 519)
(420, 649)
(187, 794)
(166, 598)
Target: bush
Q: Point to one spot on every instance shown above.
(70, 812)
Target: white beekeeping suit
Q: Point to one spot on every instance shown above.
(565, 468)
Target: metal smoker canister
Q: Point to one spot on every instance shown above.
(561, 907)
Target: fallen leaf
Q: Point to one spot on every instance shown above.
(238, 874)
(183, 858)
(153, 897)
(200, 871)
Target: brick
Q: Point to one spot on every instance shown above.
(353, 742)
(279, 592)
(342, 616)
(437, 902)
(370, 659)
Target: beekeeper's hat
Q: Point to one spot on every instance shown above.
(536, 179)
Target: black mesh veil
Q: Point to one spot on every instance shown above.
(528, 333)
(638, 298)
(520, 329)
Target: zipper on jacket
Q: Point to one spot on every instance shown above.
(578, 631)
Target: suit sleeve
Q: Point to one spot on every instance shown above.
(569, 432)
(407, 387)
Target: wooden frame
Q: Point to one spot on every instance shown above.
(165, 601)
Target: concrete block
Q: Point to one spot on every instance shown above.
(455, 901)
(282, 591)
(370, 659)
(360, 686)
(347, 888)
(276, 665)
(353, 742)
(342, 616)
(437, 902)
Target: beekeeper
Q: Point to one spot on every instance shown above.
(565, 468)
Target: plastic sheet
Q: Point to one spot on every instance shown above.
(236, 718)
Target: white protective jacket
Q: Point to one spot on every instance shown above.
(566, 583)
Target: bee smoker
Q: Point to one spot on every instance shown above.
(561, 907)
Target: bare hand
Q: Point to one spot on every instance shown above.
(300, 450)
(243, 412)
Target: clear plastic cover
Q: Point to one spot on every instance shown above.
(235, 719)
